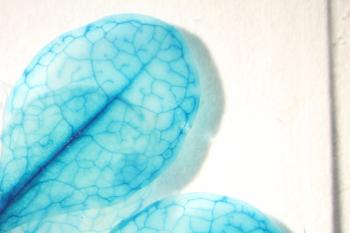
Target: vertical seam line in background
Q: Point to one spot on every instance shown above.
(336, 205)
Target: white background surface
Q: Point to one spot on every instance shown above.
(272, 147)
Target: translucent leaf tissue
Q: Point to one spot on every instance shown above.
(98, 115)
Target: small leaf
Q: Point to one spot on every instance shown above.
(198, 213)
(98, 114)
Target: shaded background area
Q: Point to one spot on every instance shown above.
(270, 143)
(339, 32)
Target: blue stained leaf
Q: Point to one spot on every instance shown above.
(98, 115)
(198, 213)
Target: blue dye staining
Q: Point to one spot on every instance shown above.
(98, 114)
(198, 213)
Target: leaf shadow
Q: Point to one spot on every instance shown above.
(196, 145)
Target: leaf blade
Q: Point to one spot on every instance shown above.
(98, 115)
(198, 212)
